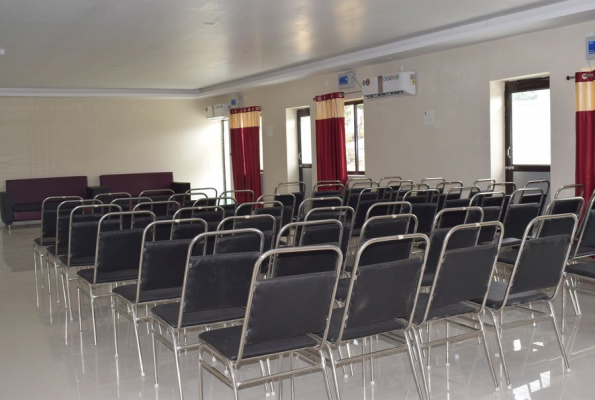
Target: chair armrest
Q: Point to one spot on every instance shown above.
(6, 207)
(180, 187)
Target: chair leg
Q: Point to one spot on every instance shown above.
(233, 372)
(42, 284)
(263, 371)
(201, 376)
(488, 355)
(420, 392)
(349, 355)
(175, 343)
(115, 321)
(564, 284)
(417, 336)
(334, 372)
(292, 380)
(372, 381)
(56, 279)
(47, 270)
(562, 349)
(327, 383)
(78, 300)
(429, 350)
(341, 357)
(154, 346)
(92, 298)
(447, 345)
(499, 340)
(132, 310)
(36, 281)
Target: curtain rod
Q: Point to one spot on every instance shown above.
(585, 75)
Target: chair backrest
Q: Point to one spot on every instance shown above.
(265, 223)
(445, 187)
(162, 263)
(484, 183)
(522, 208)
(128, 203)
(213, 215)
(542, 259)
(233, 241)
(285, 306)
(459, 196)
(118, 250)
(289, 202)
(392, 190)
(328, 189)
(63, 220)
(49, 208)
(316, 202)
(159, 208)
(450, 217)
(298, 196)
(82, 234)
(107, 198)
(464, 274)
(567, 205)
(240, 195)
(388, 208)
(432, 182)
(187, 228)
(576, 189)
(384, 291)
(542, 184)
(310, 233)
(586, 235)
(459, 239)
(216, 281)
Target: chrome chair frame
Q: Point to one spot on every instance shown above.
(231, 379)
(575, 186)
(312, 200)
(158, 325)
(92, 287)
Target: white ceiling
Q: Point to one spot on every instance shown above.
(164, 44)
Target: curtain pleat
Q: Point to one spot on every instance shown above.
(244, 129)
(330, 137)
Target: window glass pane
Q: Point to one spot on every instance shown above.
(350, 138)
(306, 139)
(361, 152)
(531, 127)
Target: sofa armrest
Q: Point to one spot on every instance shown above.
(6, 208)
(180, 187)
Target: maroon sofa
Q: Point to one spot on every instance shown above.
(23, 197)
(137, 183)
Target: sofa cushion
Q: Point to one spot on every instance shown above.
(27, 216)
(136, 183)
(26, 191)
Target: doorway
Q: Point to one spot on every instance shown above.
(527, 130)
(304, 138)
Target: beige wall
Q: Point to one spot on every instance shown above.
(456, 84)
(45, 137)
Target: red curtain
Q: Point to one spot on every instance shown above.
(330, 137)
(244, 130)
(585, 131)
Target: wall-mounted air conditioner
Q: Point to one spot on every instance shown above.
(217, 111)
(401, 83)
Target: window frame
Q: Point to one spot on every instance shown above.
(354, 104)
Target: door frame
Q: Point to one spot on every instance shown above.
(301, 112)
(510, 87)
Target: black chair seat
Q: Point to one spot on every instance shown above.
(227, 342)
(511, 241)
(498, 289)
(46, 241)
(128, 292)
(439, 312)
(108, 277)
(585, 268)
(78, 261)
(169, 314)
(357, 332)
(355, 232)
(51, 250)
(508, 257)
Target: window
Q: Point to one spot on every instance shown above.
(354, 138)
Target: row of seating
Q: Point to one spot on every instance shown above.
(200, 268)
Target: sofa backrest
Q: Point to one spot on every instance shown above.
(136, 183)
(27, 191)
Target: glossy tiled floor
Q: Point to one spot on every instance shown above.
(43, 356)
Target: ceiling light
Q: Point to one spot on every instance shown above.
(209, 23)
(2, 52)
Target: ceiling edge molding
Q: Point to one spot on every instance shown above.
(121, 93)
(559, 14)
